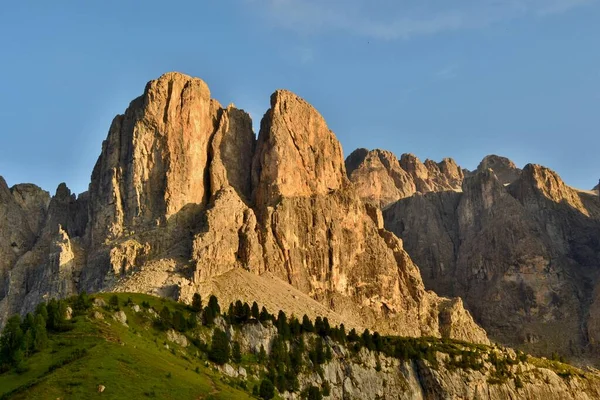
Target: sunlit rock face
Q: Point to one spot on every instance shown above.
(184, 192)
(381, 179)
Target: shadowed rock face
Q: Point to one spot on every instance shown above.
(524, 257)
(183, 192)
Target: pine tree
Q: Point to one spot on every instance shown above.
(56, 314)
(254, 311)
(328, 355)
(353, 336)
(326, 327)
(267, 390)
(367, 339)
(314, 393)
(114, 301)
(236, 352)
(28, 322)
(319, 327)
(40, 336)
(282, 325)
(296, 356)
(342, 335)
(166, 318)
(262, 354)
(238, 311)
(219, 348)
(82, 303)
(307, 325)
(42, 310)
(27, 346)
(317, 355)
(192, 321)
(295, 327)
(196, 302)
(11, 341)
(377, 341)
(246, 312)
(264, 315)
(213, 304)
(208, 316)
(179, 321)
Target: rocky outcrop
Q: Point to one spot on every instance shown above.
(378, 177)
(431, 176)
(34, 202)
(506, 171)
(524, 257)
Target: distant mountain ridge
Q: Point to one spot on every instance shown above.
(520, 247)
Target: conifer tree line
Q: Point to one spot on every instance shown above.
(23, 337)
(291, 349)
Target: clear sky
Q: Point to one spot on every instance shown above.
(437, 78)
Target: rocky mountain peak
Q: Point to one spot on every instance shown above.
(505, 169)
(296, 154)
(378, 177)
(538, 180)
(355, 159)
(34, 200)
(154, 160)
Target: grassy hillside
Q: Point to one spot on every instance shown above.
(125, 343)
(132, 363)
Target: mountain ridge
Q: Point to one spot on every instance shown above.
(518, 246)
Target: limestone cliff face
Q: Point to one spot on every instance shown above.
(297, 155)
(155, 159)
(524, 257)
(183, 192)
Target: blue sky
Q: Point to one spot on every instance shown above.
(438, 78)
